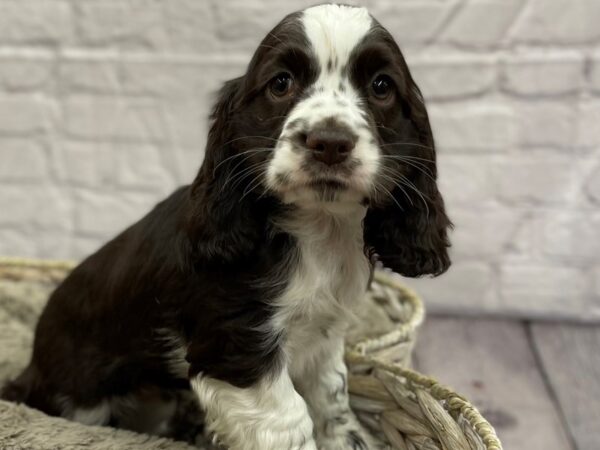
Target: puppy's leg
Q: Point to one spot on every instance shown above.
(324, 386)
(269, 415)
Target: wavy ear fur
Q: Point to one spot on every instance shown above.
(412, 239)
(222, 223)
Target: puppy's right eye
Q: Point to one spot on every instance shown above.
(382, 87)
(282, 84)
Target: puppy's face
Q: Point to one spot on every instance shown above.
(319, 95)
(327, 112)
(328, 145)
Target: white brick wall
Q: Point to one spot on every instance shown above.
(103, 112)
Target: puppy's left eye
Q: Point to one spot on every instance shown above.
(382, 87)
(282, 84)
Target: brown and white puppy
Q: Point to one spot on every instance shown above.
(240, 286)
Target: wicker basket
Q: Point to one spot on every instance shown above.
(403, 408)
(391, 339)
(406, 410)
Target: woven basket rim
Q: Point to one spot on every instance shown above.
(453, 400)
(401, 333)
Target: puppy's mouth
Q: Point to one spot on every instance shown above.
(302, 188)
(304, 181)
(330, 184)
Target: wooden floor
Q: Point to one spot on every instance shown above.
(537, 383)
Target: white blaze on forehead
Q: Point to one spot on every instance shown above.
(334, 31)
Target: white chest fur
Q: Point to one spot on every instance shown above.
(329, 275)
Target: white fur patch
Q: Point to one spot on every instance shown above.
(324, 386)
(334, 31)
(330, 275)
(269, 415)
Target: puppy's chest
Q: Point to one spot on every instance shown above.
(327, 281)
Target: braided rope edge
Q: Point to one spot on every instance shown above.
(454, 401)
(403, 333)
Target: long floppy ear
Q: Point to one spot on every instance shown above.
(222, 223)
(409, 234)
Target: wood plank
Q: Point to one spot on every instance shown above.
(570, 356)
(492, 363)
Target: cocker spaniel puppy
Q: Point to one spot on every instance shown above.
(238, 288)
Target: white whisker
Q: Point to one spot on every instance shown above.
(245, 174)
(254, 150)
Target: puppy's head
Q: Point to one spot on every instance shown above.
(328, 113)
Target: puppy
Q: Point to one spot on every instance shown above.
(239, 286)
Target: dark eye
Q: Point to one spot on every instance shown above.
(282, 84)
(382, 87)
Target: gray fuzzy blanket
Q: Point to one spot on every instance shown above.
(23, 293)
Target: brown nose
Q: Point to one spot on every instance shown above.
(330, 146)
